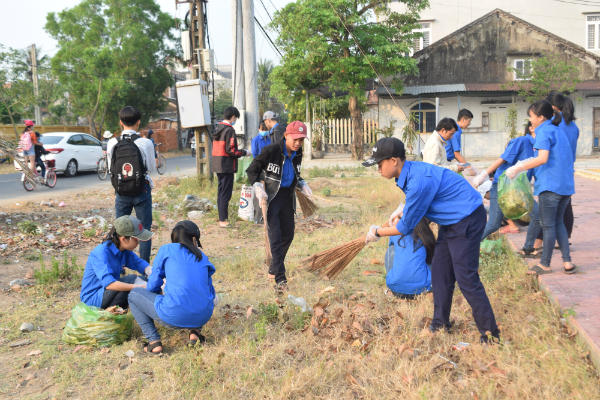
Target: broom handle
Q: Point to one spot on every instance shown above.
(264, 205)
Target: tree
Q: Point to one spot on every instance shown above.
(222, 101)
(113, 53)
(25, 62)
(543, 75)
(265, 67)
(16, 92)
(326, 48)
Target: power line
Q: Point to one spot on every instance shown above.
(267, 36)
(267, 11)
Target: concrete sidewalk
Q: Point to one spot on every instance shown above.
(579, 292)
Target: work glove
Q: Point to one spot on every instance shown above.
(371, 235)
(512, 172)
(396, 215)
(479, 179)
(148, 270)
(305, 189)
(259, 192)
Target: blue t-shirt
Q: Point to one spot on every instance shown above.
(189, 296)
(258, 143)
(453, 145)
(103, 267)
(557, 174)
(518, 149)
(572, 132)
(434, 192)
(410, 273)
(287, 173)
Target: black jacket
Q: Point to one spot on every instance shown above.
(225, 150)
(268, 167)
(277, 134)
(40, 151)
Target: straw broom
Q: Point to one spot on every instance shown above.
(307, 205)
(10, 149)
(329, 263)
(268, 256)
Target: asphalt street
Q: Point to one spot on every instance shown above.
(12, 190)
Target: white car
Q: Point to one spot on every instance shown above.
(71, 151)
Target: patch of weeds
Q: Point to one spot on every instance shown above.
(89, 233)
(156, 218)
(65, 269)
(326, 191)
(31, 256)
(269, 312)
(27, 227)
(298, 319)
(260, 329)
(569, 312)
(316, 172)
(343, 175)
(6, 262)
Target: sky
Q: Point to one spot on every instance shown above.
(26, 27)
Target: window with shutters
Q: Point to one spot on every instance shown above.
(423, 41)
(497, 118)
(522, 69)
(591, 33)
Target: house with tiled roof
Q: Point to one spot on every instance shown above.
(471, 67)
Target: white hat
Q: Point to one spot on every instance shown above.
(107, 134)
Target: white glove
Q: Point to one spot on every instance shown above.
(512, 172)
(306, 190)
(479, 179)
(148, 270)
(396, 214)
(259, 192)
(371, 235)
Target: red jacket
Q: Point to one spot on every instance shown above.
(225, 150)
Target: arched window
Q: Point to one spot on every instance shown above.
(426, 117)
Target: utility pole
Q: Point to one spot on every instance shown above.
(250, 72)
(36, 86)
(238, 90)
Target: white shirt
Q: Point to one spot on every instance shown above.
(435, 152)
(146, 148)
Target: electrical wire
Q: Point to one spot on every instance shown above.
(266, 35)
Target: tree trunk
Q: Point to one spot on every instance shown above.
(12, 120)
(91, 118)
(102, 120)
(357, 127)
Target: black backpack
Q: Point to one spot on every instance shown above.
(127, 168)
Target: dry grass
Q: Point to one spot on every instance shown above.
(376, 348)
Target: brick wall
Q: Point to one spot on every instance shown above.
(168, 138)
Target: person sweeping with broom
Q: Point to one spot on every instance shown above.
(450, 201)
(275, 174)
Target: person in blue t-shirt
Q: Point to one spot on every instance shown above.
(189, 296)
(447, 199)
(518, 149)
(453, 147)
(261, 140)
(408, 262)
(102, 284)
(554, 183)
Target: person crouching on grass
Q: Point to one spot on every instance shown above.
(278, 166)
(189, 296)
(447, 199)
(102, 285)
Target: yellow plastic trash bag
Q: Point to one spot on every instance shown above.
(92, 326)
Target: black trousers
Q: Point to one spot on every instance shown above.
(119, 298)
(568, 219)
(224, 194)
(281, 226)
(456, 259)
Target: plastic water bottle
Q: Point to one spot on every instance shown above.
(300, 302)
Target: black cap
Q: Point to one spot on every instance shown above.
(190, 228)
(385, 148)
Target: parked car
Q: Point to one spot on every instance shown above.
(71, 151)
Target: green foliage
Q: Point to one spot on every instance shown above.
(222, 101)
(547, 73)
(28, 227)
(386, 132)
(269, 312)
(511, 121)
(16, 91)
(410, 133)
(316, 172)
(265, 67)
(320, 51)
(326, 191)
(112, 54)
(65, 269)
(89, 233)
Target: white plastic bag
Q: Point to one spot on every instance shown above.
(246, 210)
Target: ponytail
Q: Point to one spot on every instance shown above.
(543, 108)
(113, 236)
(564, 104)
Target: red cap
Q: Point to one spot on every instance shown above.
(29, 122)
(297, 130)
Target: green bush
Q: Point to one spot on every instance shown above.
(65, 269)
(326, 191)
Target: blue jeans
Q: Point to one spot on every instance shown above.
(141, 303)
(534, 228)
(496, 216)
(143, 211)
(552, 212)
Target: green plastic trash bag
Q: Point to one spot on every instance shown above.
(489, 246)
(515, 196)
(90, 325)
(243, 164)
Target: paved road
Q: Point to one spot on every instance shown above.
(12, 190)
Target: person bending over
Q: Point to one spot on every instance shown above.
(189, 296)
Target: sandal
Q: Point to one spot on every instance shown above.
(570, 271)
(538, 271)
(201, 338)
(147, 348)
(528, 253)
(507, 229)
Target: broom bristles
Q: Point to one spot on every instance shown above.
(309, 208)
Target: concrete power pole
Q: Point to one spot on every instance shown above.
(250, 71)
(36, 85)
(238, 86)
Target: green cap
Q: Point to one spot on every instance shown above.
(130, 226)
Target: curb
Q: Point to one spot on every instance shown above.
(582, 336)
(588, 174)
